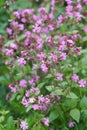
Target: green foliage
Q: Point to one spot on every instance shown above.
(72, 104)
(75, 114)
(10, 124)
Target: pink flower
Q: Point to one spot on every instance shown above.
(1, 37)
(46, 121)
(53, 57)
(12, 88)
(78, 15)
(23, 83)
(63, 56)
(32, 100)
(35, 106)
(60, 19)
(79, 6)
(24, 125)
(70, 42)
(71, 124)
(13, 46)
(25, 102)
(78, 50)
(23, 20)
(69, 8)
(9, 31)
(44, 68)
(41, 99)
(59, 76)
(82, 83)
(85, 1)
(27, 93)
(85, 29)
(21, 61)
(16, 13)
(9, 52)
(7, 96)
(75, 77)
(21, 26)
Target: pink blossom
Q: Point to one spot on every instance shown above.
(32, 100)
(23, 20)
(85, 1)
(42, 107)
(1, 37)
(13, 46)
(79, 6)
(16, 13)
(82, 83)
(78, 50)
(59, 76)
(42, 10)
(27, 93)
(41, 56)
(63, 56)
(12, 88)
(41, 99)
(9, 52)
(25, 102)
(47, 101)
(78, 15)
(75, 77)
(46, 121)
(44, 68)
(9, 31)
(21, 61)
(35, 106)
(71, 124)
(7, 96)
(69, 8)
(24, 125)
(70, 42)
(21, 26)
(60, 19)
(23, 83)
(85, 29)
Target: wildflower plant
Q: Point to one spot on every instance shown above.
(46, 89)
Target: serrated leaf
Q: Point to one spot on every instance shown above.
(75, 114)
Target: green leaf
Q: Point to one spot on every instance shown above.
(72, 95)
(58, 92)
(29, 108)
(2, 119)
(4, 112)
(83, 103)
(75, 114)
(84, 114)
(53, 115)
(50, 88)
(2, 3)
(10, 124)
(41, 85)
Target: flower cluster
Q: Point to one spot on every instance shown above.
(38, 48)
